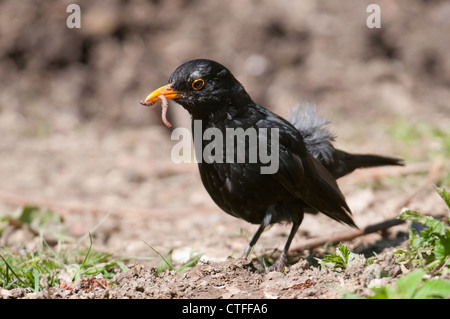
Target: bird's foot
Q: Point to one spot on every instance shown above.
(247, 252)
(279, 264)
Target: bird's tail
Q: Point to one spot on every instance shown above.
(318, 141)
(355, 161)
(313, 128)
(367, 160)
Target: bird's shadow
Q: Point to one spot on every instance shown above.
(266, 259)
(372, 249)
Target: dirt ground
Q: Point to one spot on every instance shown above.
(75, 139)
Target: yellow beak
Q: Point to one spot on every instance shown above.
(165, 90)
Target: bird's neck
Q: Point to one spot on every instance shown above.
(236, 102)
(226, 116)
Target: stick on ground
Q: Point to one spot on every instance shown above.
(345, 236)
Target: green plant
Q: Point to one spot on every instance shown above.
(445, 195)
(429, 248)
(414, 286)
(166, 263)
(45, 265)
(341, 258)
(411, 133)
(33, 218)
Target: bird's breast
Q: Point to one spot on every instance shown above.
(237, 161)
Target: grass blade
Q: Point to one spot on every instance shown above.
(169, 265)
(36, 279)
(12, 271)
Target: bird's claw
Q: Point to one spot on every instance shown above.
(279, 264)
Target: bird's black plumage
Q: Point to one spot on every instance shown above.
(308, 163)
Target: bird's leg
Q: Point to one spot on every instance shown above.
(279, 264)
(253, 241)
(264, 224)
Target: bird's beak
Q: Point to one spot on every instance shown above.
(165, 90)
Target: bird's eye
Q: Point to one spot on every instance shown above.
(198, 84)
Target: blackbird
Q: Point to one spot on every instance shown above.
(308, 164)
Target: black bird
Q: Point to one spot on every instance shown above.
(308, 164)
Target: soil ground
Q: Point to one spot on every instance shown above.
(75, 139)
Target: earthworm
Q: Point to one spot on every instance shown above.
(164, 105)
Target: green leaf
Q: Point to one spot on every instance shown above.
(431, 247)
(166, 263)
(445, 195)
(9, 268)
(383, 292)
(36, 279)
(344, 253)
(340, 259)
(436, 225)
(437, 288)
(413, 286)
(81, 269)
(190, 263)
(27, 214)
(442, 249)
(407, 285)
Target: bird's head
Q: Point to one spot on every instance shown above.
(202, 86)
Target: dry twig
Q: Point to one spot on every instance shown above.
(346, 236)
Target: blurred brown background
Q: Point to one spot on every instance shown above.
(281, 51)
(73, 131)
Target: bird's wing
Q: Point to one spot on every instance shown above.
(304, 176)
